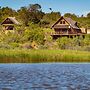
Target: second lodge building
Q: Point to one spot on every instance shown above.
(66, 27)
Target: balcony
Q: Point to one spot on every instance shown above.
(65, 33)
(59, 33)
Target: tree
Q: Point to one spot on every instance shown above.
(88, 15)
(34, 7)
(6, 12)
(51, 17)
(0, 13)
(70, 15)
(35, 17)
(35, 13)
(23, 14)
(34, 33)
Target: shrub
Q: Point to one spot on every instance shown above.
(5, 46)
(26, 45)
(64, 42)
(14, 45)
(35, 34)
(87, 48)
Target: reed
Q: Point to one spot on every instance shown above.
(42, 56)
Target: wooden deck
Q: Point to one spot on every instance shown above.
(66, 34)
(58, 35)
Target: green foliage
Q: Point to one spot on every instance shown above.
(86, 40)
(35, 26)
(6, 12)
(64, 42)
(26, 45)
(44, 23)
(4, 45)
(87, 48)
(35, 17)
(1, 28)
(42, 56)
(0, 14)
(33, 13)
(14, 45)
(75, 43)
(23, 14)
(51, 17)
(35, 34)
(88, 15)
(11, 37)
(70, 15)
(34, 7)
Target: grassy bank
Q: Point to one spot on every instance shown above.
(35, 56)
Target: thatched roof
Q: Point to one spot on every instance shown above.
(12, 19)
(71, 22)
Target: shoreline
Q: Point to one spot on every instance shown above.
(44, 56)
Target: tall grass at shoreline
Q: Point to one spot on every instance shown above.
(40, 56)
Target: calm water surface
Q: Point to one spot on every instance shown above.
(45, 76)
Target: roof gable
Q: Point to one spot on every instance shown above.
(7, 21)
(62, 22)
(10, 20)
(71, 22)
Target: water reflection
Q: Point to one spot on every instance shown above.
(44, 77)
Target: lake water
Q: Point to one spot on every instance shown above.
(45, 76)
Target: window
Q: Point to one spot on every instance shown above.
(10, 28)
(63, 22)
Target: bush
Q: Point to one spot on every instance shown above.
(42, 47)
(5, 46)
(87, 48)
(14, 45)
(64, 42)
(26, 45)
(35, 34)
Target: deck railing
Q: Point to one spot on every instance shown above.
(58, 33)
(64, 33)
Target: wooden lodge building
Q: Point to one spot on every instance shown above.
(8, 23)
(66, 27)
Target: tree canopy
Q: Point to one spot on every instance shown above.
(33, 14)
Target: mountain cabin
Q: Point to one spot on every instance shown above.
(8, 23)
(66, 27)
